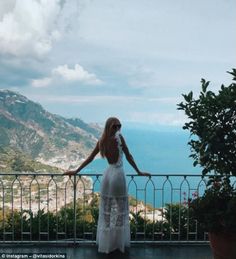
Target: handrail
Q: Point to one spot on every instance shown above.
(51, 207)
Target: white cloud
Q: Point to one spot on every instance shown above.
(165, 100)
(6, 6)
(76, 74)
(180, 30)
(76, 99)
(38, 83)
(29, 28)
(175, 118)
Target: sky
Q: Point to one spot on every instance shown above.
(132, 59)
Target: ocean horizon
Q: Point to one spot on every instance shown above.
(157, 152)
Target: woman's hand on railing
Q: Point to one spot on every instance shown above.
(144, 174)
(70, 172)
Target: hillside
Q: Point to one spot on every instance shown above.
(48, 138)
(15, 161)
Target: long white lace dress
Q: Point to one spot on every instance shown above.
(113, 231)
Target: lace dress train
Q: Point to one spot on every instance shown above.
(113, 231)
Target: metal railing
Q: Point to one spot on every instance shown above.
(51, 208)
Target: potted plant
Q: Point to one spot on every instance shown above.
(212, 123)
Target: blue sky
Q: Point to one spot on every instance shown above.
(129, 58)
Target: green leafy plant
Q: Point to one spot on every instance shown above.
(212, 124)
(216, 209)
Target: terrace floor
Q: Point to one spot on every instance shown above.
(136, 251)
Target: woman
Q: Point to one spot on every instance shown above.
(113, 231)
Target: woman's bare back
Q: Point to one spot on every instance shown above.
(112, 151)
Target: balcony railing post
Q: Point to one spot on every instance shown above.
(74, 205)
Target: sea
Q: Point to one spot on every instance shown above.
(160, 153)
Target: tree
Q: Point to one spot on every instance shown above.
(212, 122)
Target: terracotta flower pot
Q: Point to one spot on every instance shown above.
(223, 245)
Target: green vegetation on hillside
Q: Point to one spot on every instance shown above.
(15, 161)
(25, 126)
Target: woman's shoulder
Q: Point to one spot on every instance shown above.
(121, 139)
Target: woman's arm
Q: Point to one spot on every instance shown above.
(130, 158)
(86, 162)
